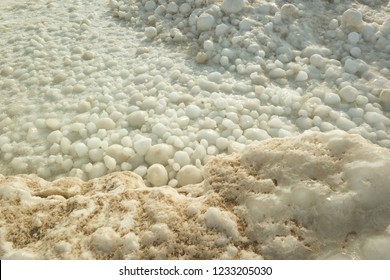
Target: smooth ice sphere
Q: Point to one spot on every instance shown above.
(94, 142)
(150, 32)
(150, 5)
(209, 135)
(172, 8)
(109, 162)
(81, 149)
(208, 45)
(98, 169)
(54, 137)
(301, 76)
(352, 18)
(189, 174)
(157, 175)
(142, 145)
(232, 6)
(277, 73)
(384, 98)
(205, 22)
(289, 10)
(182, 158)
(221, 29)
(317, 60)
(349, 93)
(345, 124)
(193, 111)
(331, 98)
(137, 118)
(105, 123)
(118, 152)
(159, 129)
(353, 38)
(355, 51)
(333, 24)
(245, 24)
(53, 124)
(185, 8)
(159, 153)
(222, 143)
(254, 133)
(351, 66)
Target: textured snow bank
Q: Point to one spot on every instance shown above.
(318, 195)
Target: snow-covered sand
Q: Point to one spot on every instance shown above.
(160, 88)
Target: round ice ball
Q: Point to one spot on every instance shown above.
(157, 175)
(352, 18)
(159, 153)
(182, 158)
(232, 6)
(205, 22)
(150, 32)
(189, 174)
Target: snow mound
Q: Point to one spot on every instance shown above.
(314, 196)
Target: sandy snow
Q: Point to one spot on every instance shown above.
(261, 126)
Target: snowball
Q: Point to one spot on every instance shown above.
(331, 98)
(159, 153)
(254, 133)
(221, 29)
(352, 18)
(53, 124)
(157, 175)
(351, 66)
(109, 162)
(172, 8)
(289, 10)
(105, 123)
(81, 149)
(355, 51)
(353, 38)
(185, 8)
(118, 152)
(209, 135)
(205, 22)
(384, 98)
(150, 32)
(137, 118)
(232, 6)
(208, 45)
(317, 60)
(189, 174)
(93, 142)
(301, 76)
(345, 124)
(142, 145)
(349, 93)
(182, 158)
(201, 58)
(333, 24)
(193, 111)
(159, 129)
(54, 137)
(277, 73)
